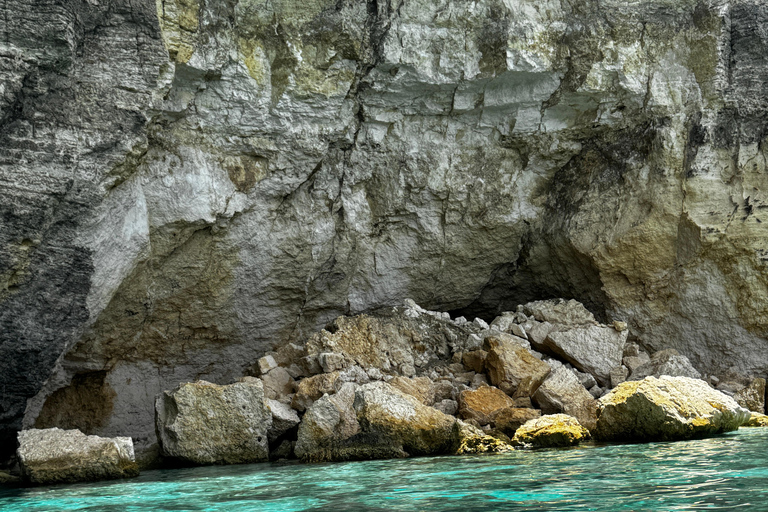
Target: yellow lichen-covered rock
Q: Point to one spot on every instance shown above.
(756, 420)
(473, 440)
(389, 415)
(480, 404)
(667, 408)
(550, 431)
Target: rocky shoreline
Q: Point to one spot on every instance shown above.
(411, 382)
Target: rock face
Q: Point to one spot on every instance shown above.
(53, 456)
(184, 187)
(205, 423)
(550, 431)
(666, 409)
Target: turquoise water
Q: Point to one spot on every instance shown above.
(724, 473)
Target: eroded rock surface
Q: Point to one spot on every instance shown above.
(552, 430)
(186, 184)
(204, 423)
(51, 456)
(666, 409)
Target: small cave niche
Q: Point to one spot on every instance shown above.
(86, 404)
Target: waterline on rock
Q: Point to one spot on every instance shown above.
(723, 473)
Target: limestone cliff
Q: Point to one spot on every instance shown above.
(187, 183)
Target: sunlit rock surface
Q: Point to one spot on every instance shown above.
(186, 184)
(666, 409)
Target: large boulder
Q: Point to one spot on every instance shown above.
(666, 409)
(550, 431)
(562, 392)
(329, 431)
(420, 388)
(52, 456)
(756, 420)
(595, 349)
(481, 404)
(666, 362)
(283, 419)
(402, 421)
(513, 368)
(205, 423)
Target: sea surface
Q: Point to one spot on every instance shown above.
(729, 472)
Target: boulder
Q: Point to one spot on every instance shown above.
(205, 423)
(480, 404)
(508, 420)
(402, 422)
(278, 384)
(283, 419)
(634, 362)
(475, 360)
(53, 455)
(666, 362)
(595, 349)
(538, 332)
(310, 389)
(561, 392)
(512, 368)
(666, 409)
(752, 397)
(559, 311)
(418, 387)
(266, 364)
(330, 431)
(474, 440)
(756, 420)
(449, 407)
(550, 431)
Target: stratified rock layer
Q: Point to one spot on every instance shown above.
(186, 184)
(205, 423)
(51, 456)
(666, 409)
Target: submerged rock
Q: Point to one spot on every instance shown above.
(552, 430)
(205, 423)
(666, 409)
(53, 455)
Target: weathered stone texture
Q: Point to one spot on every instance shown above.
(187, 184)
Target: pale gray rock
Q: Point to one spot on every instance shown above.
(561, 392)
(51, 456)
(330, 361)
(449, 407)
(585, 379)
(538, 332)
(619, 375)
(266, 364)
(666, 362)
(634, 362)
(204, 423)
(278, 384)
(283, 419)
(594, 349)
(568, 313)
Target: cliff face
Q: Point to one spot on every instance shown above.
(187, 183)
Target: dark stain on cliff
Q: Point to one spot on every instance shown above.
(85, 404)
